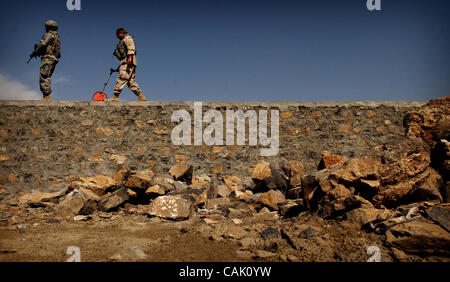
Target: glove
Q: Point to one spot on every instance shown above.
(35, 53)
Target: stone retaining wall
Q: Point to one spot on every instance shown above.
(43, 145)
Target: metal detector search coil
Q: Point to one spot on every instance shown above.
(101, 95)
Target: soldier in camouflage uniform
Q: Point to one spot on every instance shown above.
(126, 53)
(49, 49)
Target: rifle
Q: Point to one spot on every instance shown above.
(33, 55)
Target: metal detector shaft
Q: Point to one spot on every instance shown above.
(109, 77)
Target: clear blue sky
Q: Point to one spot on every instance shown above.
(246, 50)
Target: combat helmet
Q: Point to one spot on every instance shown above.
(51, 24)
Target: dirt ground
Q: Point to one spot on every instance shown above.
(41, 238)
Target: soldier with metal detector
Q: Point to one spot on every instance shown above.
(126, 53)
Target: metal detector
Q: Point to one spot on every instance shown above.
(101, 95)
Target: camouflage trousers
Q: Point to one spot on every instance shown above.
(127, 76)
(47, 68)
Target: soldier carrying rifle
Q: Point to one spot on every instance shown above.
(49, 49)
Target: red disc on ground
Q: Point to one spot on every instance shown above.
(99, 96)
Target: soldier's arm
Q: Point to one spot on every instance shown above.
(43, 43)
(131, 49)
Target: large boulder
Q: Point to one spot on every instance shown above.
(431, 124)
(419, 237)
(72, 204)
(424, 186)
(170, 207)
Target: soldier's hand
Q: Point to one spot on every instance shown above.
(129, 60)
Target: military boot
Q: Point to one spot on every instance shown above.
(114, 98)
(47, 97)
(141, 97)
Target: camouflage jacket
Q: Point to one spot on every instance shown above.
(125, 48)
(49, 46)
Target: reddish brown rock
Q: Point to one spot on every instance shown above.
(140, 179)
(359, 168)
(200, 182)
(166, 183)
(156, 189)
(233, 182)
(268, 176)
(272, 198)
(330, 160)
(294, 171)
(407, 163)
(120, 175)
(261, 171)
(181, 171)
(224, 191)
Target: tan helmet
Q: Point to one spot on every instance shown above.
(51, 23)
